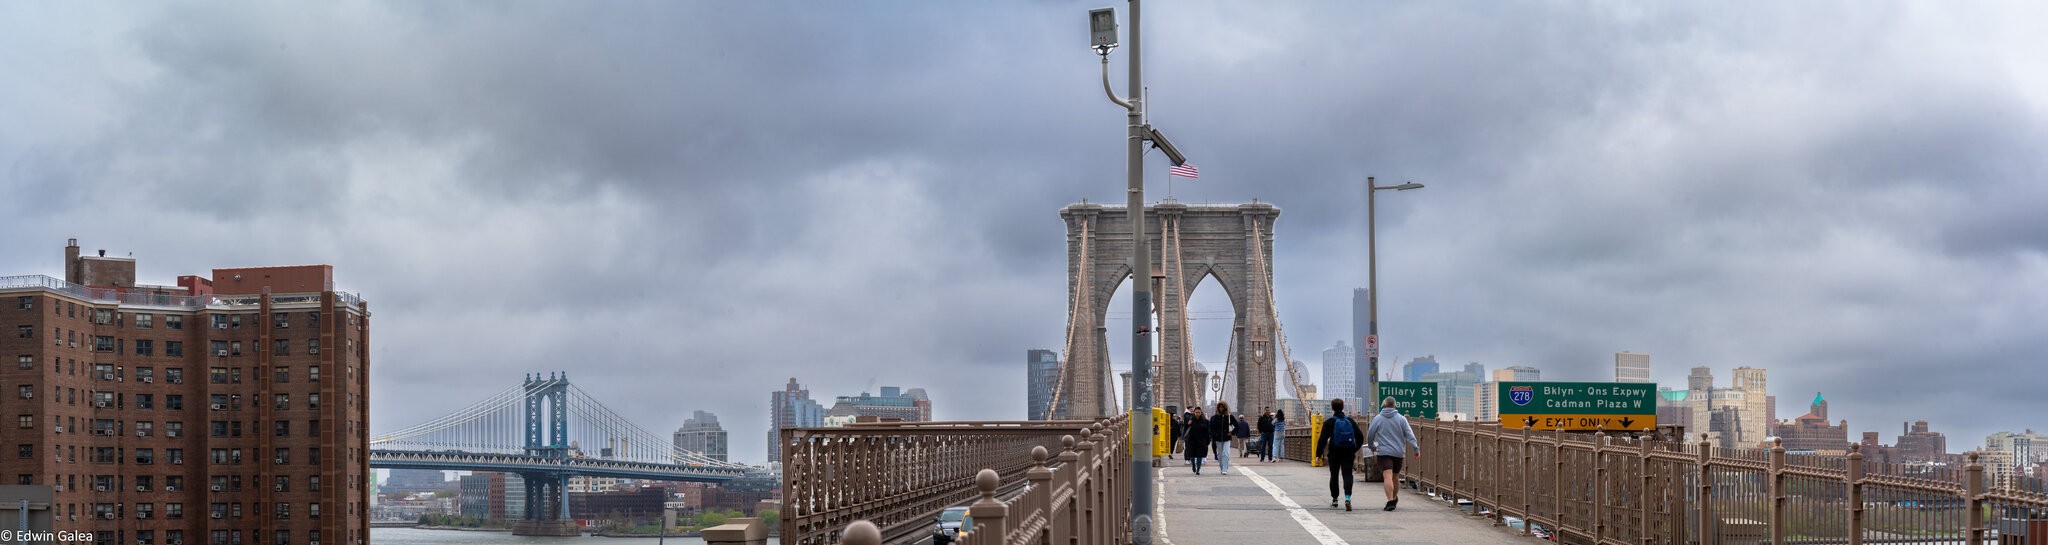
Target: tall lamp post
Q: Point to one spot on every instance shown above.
(1371, 395)
(1103, 38)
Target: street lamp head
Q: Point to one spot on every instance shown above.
(1407, 186)
(1102, 29)
(1160, 142)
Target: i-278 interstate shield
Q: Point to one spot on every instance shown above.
(1578, 406)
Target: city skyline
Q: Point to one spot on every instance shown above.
(684, 214)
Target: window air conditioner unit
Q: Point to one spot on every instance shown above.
(170, 488)
(60, 429)
(140, 488)
(220, 353)
(216, 515)
(220, 325)
(142, 515)
(108, 376)
(100, 404)
(100, 488)
(171, 434)
(216, 406)
(147, 380)
(140, 433)
(312, 351)
(283, 325)
(316, 542)
(280, 488)
(108, 516)
(28, 395)
(216, 488)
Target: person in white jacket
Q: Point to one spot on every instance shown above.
(1390, 438)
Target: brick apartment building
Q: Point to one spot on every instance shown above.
(224, 410)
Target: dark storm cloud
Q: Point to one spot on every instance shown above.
(684, 204)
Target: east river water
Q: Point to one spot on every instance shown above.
(415, 536)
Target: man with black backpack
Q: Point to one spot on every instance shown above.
(1338, 447)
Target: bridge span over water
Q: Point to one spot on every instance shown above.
(546, 430)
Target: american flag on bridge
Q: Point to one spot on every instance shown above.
(1184, 170)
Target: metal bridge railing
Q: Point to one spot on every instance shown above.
(1037, 482)
(1611, 490)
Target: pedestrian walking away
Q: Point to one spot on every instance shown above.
(1391, 440)
(1197, 437)
(1280, 430)
(1338, 447)
(1243, 435)
(1221, 429)
(1266, 435)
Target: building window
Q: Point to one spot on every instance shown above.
(281, 347)
(28, 421)
(25, 331)
(145, 347)
(313, 319)
(220, 321)
(174, 321)
(312, 428)
(313, 373)
(175, 402)
(103, 316)
(174, 429)
(282, 428)
(145, 321)
(144, 428)
(174, 349)
(313, 457)
(313, 482)
(235, 375)
(26, 451)
(284, 510)
(217, 375)
(103, 343)
(312, 401)
(235, 321)
(284, 457)
(284, 484)
(28, 391)
(145, 456)
(174, 375)
(25, 361)
(235, 348)
(281, 374)
(219, 427)
(29, 303)
(312, 346)
(174, 511)
(313, 510)
(145, 374)
(281, 319)
(283, 401)
(145, 401)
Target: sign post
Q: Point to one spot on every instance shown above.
(1415, 400)
(1577, 406)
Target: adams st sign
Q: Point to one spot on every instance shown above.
(1577, 406)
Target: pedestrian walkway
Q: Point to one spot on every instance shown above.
(1289, 502)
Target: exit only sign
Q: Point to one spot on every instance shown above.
(1577, 406)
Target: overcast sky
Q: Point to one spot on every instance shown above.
(685, 204)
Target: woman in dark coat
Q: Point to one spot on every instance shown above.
(1197, 438)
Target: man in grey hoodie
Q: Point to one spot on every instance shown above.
(1390, 438)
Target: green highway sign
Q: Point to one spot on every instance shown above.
(1411, 399)
(1578, 406)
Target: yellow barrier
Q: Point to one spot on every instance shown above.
(1315, 436)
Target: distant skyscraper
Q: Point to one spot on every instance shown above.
(702, 434)
(1521, 373)
(1041, 375)
(1360, 317)
(1418, 367)
(1476, 369)
(1455, 392)
(791, 407)
(894, 403)
(1338, 363)
(1631, 367)
(1739, 414)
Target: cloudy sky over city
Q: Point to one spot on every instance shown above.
(685, 204)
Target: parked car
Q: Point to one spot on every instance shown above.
(951, 522)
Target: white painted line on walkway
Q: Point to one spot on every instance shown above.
(1159, 505)
(1308, 522)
